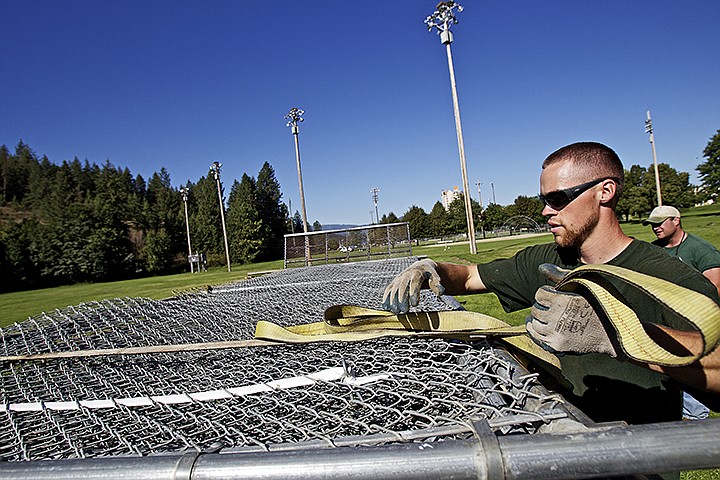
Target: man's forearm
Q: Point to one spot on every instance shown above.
(703, 374)
(460, 279)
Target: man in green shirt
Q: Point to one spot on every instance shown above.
(691, 249)
(696, 252)
(580, 185)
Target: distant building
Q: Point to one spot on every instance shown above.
(698, 192)
(447, 196)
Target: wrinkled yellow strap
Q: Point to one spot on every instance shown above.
(695, 308)
(349, 323)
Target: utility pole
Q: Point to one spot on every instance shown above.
(492, 185)
(215, 170)
(184, 192)
(292, 220)
(480, 217)
(295, 116)
(442, 19)
(649, 129)
(374, 192)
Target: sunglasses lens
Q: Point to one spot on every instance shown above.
(556, 200)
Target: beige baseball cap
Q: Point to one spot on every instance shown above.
(659, 214)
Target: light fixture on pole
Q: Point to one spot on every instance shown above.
(184, 192)
(442, 19)
(374, 192)
(478, 183)
(215, 170)
(295, 116)
(649, 129)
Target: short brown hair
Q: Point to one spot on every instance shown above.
(599, 160)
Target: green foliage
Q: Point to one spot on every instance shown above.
(439, 221)
(389, 218)
(494, 216)
(709, 170)
(157, 253)
(418, 222)
(245, 224)
(274, 214)
(530, 207)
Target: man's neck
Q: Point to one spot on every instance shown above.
(604, 245)
(676, 239)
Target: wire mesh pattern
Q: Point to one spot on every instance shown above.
(390, 389)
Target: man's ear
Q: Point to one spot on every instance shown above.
(609, 190)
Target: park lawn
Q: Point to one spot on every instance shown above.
(18, 306)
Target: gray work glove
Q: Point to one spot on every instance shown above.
(404, 290)
(563, 322)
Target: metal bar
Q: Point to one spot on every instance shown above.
(600, 452)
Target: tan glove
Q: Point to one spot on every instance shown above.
(562, 322)
(404, 290)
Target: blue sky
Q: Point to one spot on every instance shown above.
(181, 84)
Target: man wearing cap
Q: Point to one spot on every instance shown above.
(691, 249)
(696, 252)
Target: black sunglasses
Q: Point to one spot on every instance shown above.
(560, 199)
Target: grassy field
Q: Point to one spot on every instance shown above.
(15, 307)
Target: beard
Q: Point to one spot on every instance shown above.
(575, 236)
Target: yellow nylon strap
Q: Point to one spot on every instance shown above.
(349, 323)
(695, 308)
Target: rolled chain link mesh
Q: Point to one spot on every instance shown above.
(389, 389)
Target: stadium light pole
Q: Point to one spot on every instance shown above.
(374, 192)
(442, 19)
(184, 192)
(649, 129)
(480, 217)
(215, 170)
(295, 116)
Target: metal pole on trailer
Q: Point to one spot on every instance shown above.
(596, 452)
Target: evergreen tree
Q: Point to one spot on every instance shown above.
(245, 222)
(456, 215)
(418, 222)
(205, 222)
(530, 207)
(635, 197)
(163, 217)
(297, 222)
(389, 218)
(273, 213)
(317, 226)
(439, 221)
(709, 170)
(494, 216)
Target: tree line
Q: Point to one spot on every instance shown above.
(638, 199)
(83, 222)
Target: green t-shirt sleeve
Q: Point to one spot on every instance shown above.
(705, 255)
(515, 280)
